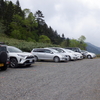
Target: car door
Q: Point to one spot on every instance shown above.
(41, 54)
(48, 54)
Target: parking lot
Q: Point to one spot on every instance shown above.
(73, 80)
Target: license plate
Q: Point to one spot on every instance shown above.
(1, 65)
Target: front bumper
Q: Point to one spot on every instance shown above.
(79, 57)
(26, 61)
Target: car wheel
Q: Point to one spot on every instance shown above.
(89, 57)
(36, 58)
(69, 58)
(13, 63)
(56, 59)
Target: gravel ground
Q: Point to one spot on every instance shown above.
(74, 80)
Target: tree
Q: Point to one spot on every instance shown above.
(2, 6)
(81, 38)
(18, 10)
(63, 36)
(2, 28)
(66, 43)
(26, 12)
(17, 3)
(39, 18)
(44, 39)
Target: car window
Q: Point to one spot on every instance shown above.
(47, 51)
(59, 50)
(38, 50)
(55, 51)
(14, 50)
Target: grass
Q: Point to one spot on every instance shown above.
(22, 44)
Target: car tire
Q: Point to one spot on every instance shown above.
(69, 58)
(36, 58)
(89, 57)
(56, 59)
(13, 63)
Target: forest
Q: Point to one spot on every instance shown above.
(24, 25)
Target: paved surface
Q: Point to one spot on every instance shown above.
(75, 80)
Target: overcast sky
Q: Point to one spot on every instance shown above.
(73, 18)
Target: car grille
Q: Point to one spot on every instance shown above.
(29, 57)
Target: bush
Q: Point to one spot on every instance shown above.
(24, 45)
(44, 39)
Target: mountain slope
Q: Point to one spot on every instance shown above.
(92, 48)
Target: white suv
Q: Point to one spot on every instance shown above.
(17, 57)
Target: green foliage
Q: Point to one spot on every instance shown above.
(2, 28)
(76, 43)
(82, 38)
(44, 39)
(22, 44)
(16, 34)
(65, 43)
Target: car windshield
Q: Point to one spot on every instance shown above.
(59, 50)
(14, 50)
(70, 51)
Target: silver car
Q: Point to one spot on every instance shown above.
(77, 54)
(71, 56)
(48, 54)
(88, 55)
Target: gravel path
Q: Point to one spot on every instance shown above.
(75, 80)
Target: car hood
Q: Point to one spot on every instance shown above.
(77, 53)
(91, 53)
(25, 54)
(21, 53)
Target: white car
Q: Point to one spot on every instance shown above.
(48, 54)
(64, 51)
(88, 55)
(79, 55)
(17, 57)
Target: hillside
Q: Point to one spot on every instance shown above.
(22, 44)
(92, 48)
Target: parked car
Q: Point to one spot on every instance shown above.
(48, 54)
(18, 57)
(64, 51)
(88, 55)
(79, 55)
(76, 49)
(4, 60)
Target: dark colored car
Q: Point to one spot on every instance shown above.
(4, 60)
(76, 49)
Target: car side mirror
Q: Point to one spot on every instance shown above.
(51, 52)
